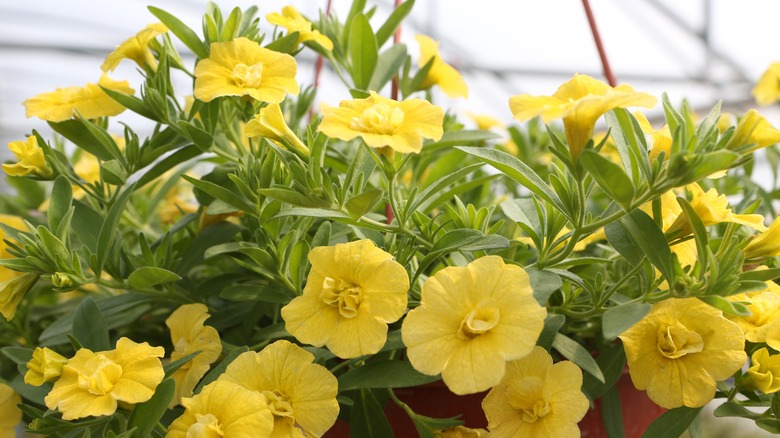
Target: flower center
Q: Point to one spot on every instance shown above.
(527, 397)
(480, 320)
(677, 341)
(380, 118)
(99, 375)
(248, 76)
(343, 295)
(279, 404)
(206, 426)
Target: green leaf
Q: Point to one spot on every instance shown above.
(575, 352)
(635, 235)
(367, 419)
(543, 283)
(168, 163)
(108, 230)
(132, 103)
(89, 326)
(85, 221)
(610, 177)
(220, 369)
(699, 232)
(727, 306)
(19, 355)
(148, 276)
(383, 374)
(292, 197)
(734, 409)
(440, 184)
(184, 33)
(612, 362)
(460, 138)
(146, 415)
(387, 66)
(552, 324)
(518, 171)
(78, 132)
(198, 136)
(210, 236)
(359, 205)
(769, 424)
(611, 412)
(618, 319)
(427, 426)
(61, 199)
(760, 274)
(362, 50)
(672, 423)
(312, 212)
(220, 193)
(286, 44)
(628, 140)
(175, 365)
(255, 292)
(393, 21)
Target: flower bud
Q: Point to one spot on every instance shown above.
(764, 373)
(45, 366)
(30, 159)
(61, 280)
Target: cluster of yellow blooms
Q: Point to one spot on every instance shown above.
(476, 325)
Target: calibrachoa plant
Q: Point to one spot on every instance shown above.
(258, 265)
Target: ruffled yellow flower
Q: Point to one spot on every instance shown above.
(461, 432)
(471, 321)
(293, 21)
(712, 208)
(381, 122)
(136, 48)
(269, 123)
(242, 68)
(92, 383)
(188, 335)
(30, 159)
(580, 102)
(353, 291)
(764, 372)
(753, 129)
(661, 139)
(767, 89)
(766, 244)
(765, 311)
(14, 286)
(223, 409)
(537, 398)
(680, 350)
(442, 74)
(10, 414)
(90, 101)
(301, 394)
(45, 366)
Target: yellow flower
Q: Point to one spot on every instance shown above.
(353, 291)
(269, 123)
(90, 101)
(10, 414)
(188, 335)
(45, 366)
(765, 311)
(680, 350)
(13, 222)
(381, 122)
(242, 68)
(30, 159)
(580, 102)
(766, 244)
(442, 74)
(753, 129)
(661, 138)
(223, 409)
(767, 89)
(92, 383)
(712, 208)
(461, 432)
(136, 48)
(301, 395)
(537, 398)
(471, 321)
(485, 121)
(764, 372)
(14, 286)
(293, 21)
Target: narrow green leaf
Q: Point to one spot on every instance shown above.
(220, 193)
(363, 51)
(610, 177)
(543, 283)
(286, 44)
(646, 237)
(198, 136)
(180, 156)
(699, 232)
(437, 186)
(760, 274)
(148, 276)
(89, 326)
(460, 138)
(61, 199)
(132, 103)
(146, 415)
(611, 412)
(210, 236)
(618, 319)
(769, 424)
(184, 33)
(575, 352)
(367, 419)
(359, 205)
(113, 172)
(108, 230)
(175, 365)
(727, 306)
(552, 324)
(393, 21)
(387, 66)
(312, 212)
(85, 221)
(383, 374)
(612, 362)
(76, 131)
(734, 409)
(19, 355)
(672, 423)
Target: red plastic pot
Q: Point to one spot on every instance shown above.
(435, 400)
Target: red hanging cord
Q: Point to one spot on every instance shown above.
(599, 45)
